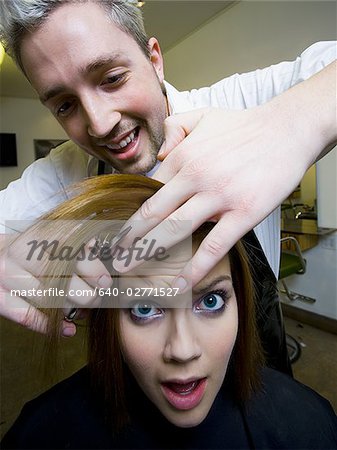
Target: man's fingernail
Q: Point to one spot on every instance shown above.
(162, 149)
(179, 283)
(68, 330)
(105, 281)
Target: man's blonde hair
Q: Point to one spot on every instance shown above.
(19, 17)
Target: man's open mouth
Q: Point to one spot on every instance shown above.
(125, 142)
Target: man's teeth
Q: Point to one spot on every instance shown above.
(124, 142)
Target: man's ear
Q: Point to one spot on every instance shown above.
(156, 58)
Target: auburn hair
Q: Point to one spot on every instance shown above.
(116, 197)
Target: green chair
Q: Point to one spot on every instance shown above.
(292, 263)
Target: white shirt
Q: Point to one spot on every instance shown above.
(44, 183)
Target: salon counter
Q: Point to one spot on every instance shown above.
(305, 231)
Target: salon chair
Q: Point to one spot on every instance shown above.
(292, 263)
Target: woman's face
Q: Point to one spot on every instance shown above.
(179, 357)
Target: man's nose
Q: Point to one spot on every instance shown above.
(182, 342)
(101, 116)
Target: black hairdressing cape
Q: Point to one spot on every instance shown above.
(283, 415)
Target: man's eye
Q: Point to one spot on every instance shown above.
(212, 302)
(113, 79)
(144, 311)
(65, 108)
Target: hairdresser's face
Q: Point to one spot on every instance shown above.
(179, 357)
(100, 86)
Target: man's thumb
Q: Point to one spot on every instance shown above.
(177, 128)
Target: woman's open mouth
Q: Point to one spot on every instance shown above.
(184, 396)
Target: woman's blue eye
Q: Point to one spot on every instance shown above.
(139, 312)
(214, 301)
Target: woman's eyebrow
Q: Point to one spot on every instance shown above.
(204, 288)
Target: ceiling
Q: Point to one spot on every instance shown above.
(168, 20)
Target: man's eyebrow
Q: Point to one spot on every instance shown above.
(93, 66)
(210, 286)
(101, 62)
(50, 93)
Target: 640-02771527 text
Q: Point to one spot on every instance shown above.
(113, 292)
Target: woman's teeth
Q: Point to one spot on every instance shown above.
(183, 389)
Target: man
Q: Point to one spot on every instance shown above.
(94, 68)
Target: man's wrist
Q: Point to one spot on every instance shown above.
(307, 113)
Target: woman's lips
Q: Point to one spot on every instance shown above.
(184, 396)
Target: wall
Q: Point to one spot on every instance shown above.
(29, 120)
(248, 36)
(308, 187)
(327, 192)
(253, 35)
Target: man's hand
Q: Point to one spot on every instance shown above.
(222, 167)
(234, 168)
(20, 274)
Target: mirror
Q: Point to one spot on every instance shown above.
(302, 203)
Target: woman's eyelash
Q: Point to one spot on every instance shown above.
(149, 305)
(222, 293)
(136, 318)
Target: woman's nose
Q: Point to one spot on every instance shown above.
(182, 343)
(101, 117)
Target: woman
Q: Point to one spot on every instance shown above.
(190, 376)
